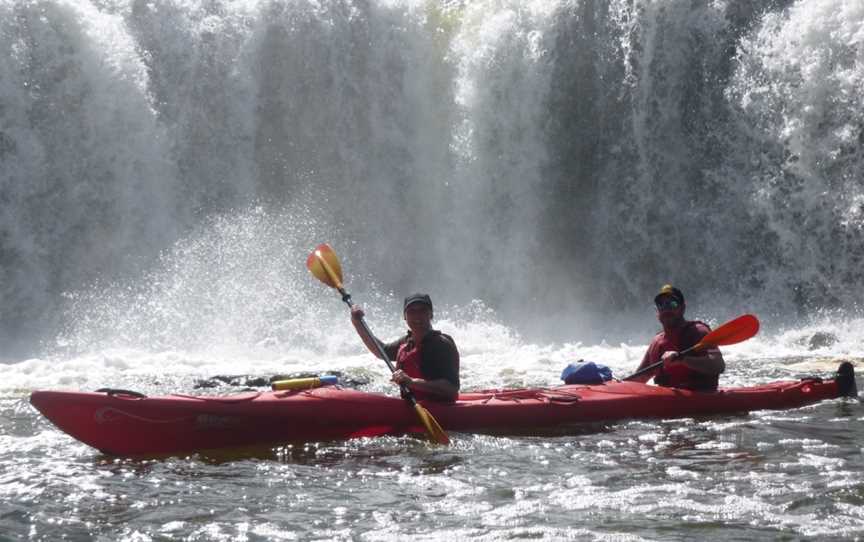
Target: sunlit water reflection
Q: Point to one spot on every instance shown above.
(768, 474)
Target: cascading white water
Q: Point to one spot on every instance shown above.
(166, 165)
(87, 182)
(798, 99)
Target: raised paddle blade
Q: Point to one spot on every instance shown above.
(732, 332)
(324, 264)
(436, 433)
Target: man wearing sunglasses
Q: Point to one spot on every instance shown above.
(695, 371)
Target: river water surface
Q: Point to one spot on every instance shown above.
(792, 474)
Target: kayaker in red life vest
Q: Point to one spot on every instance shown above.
(427, 360)
(696, 371)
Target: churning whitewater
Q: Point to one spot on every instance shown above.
(544, 157)
(540, 167)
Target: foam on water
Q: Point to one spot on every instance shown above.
(492, 355)
(234, 298)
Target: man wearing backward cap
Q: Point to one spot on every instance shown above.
(427, 360)
(695, 371)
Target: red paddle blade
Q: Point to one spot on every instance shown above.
(732, 332)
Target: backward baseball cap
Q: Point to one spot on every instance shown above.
(668, 289)
(417, 298)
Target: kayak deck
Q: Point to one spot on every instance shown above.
(117, 422)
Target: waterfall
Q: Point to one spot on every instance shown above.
(162, 162)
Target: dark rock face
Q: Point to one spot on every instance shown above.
(257, 381)
(821, 339)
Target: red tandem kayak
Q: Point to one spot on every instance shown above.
(124, 423)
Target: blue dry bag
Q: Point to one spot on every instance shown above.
(586, 372)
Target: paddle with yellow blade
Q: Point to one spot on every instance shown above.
(324, 264)
(732, 332)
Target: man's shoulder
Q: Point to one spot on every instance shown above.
(439, 336)
(658, 337)
(689, 327)
(395, 344)
(699, 326)
(693, 331)
(441, 340)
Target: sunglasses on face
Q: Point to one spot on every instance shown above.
(668, 304)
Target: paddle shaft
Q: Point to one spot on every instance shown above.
(695, 348)
(346, 297)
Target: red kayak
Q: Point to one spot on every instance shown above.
(125, 423)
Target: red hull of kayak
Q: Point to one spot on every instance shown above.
(126, 425)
